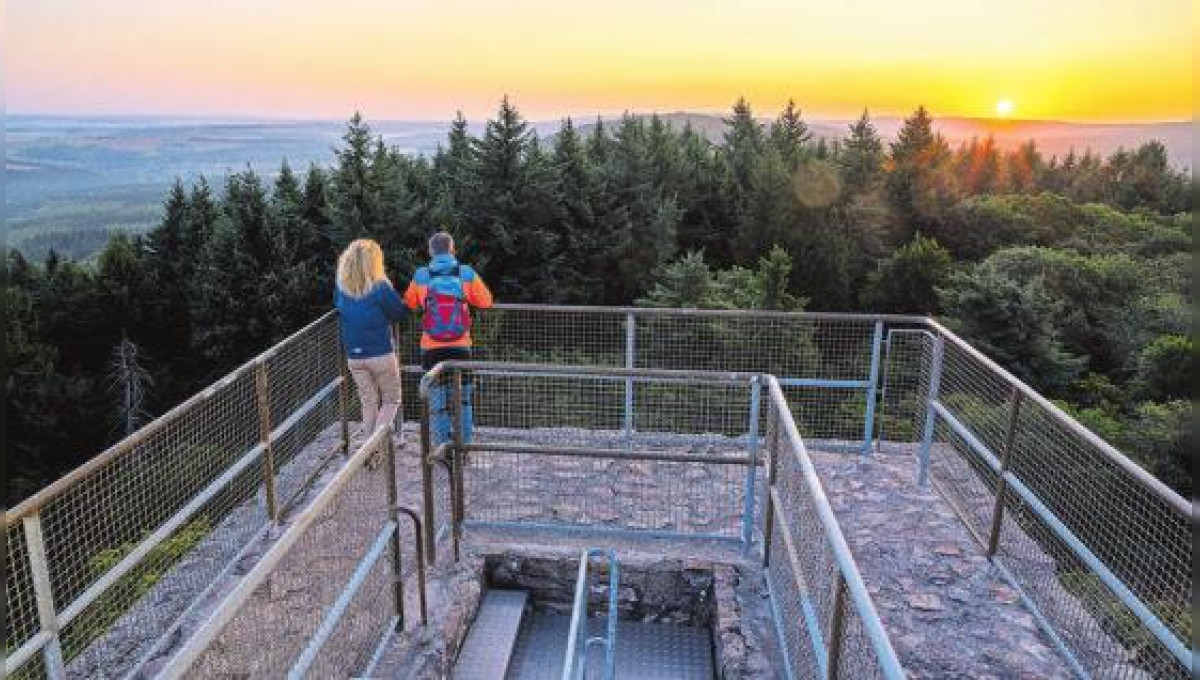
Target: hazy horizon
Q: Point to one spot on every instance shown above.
(1084, 61)
(578, 117)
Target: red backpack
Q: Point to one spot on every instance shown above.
(447, 315)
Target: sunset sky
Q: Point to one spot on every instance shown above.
(1089, 60)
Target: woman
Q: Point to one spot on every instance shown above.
(367, 306)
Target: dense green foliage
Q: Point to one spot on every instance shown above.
(1071, 272)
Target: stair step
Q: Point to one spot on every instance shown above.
(645, 651)
(488, 649)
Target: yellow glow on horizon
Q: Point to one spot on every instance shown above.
(426, 59)
(1004, 108)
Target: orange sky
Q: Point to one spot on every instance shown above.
(1095, 60)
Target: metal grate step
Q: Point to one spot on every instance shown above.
(645, 651)
(488, 649)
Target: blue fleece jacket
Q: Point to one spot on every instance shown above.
(366, 321)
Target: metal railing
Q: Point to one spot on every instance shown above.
(824, 617)
(1097, 547)
(690, 468)
(579, 642)
(828, 363)
(327, 596)
(105, 563)
(563, 448)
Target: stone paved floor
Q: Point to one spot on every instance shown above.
(947, 609)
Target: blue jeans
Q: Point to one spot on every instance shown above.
(439, 413)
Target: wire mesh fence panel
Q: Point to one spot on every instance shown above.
(121, 503)
(905, 385)
(297, 463)
(21, 609)
(856, 658)
(303, 366)
(528, 402)
(828, 418)
(270, 629)
(802, 525)
(964, 478)
(539, 335)
(122, 625)
(300, 380)
(634, 495)
(20, 603)
(1133, 531)
(564, 413)
(787, 600)
(976, 395)
(1100, 548)
(138, 539)
(809, 569)
(174, 486)
(1102, 632)
(367, 621)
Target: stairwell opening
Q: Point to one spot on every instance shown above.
(675, 618)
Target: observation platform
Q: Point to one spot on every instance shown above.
(843, 497)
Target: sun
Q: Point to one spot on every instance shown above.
(1004, 108)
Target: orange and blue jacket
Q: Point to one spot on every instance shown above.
(474, 291)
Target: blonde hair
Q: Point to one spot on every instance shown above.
(360, 267)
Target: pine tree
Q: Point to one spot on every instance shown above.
(234, 300)
(707, 221)
(581, 244)
(454, 172)
(743, 145)
(770, 212)
(513, 205)
(599, 144)
(921, 181)
(862, 156)
(355, 198)
(790, 136)
(643, 221)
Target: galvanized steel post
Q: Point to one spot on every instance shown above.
(872, 383)
(752, 466)
(837, 628)
(1010, 438)
(430, 523)
(263, 397)
(935, 381)
(883, 389)
(43, 593)
(772, 471)
(344, 395)
(421, 564)
(457, 452)
(630, 361)
(393, 499)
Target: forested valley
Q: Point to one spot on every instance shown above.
(1073, 272)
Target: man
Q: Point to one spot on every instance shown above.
(445, 291)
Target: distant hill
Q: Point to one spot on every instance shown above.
(1053, 138)
(69, 176)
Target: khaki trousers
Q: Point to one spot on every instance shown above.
(378, 382)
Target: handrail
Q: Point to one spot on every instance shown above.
(714, 313)
(224, 613)
(100, 461)
(857, 589)
(555, 369)
(575, 660)
(388, 533)
(1149, 481)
